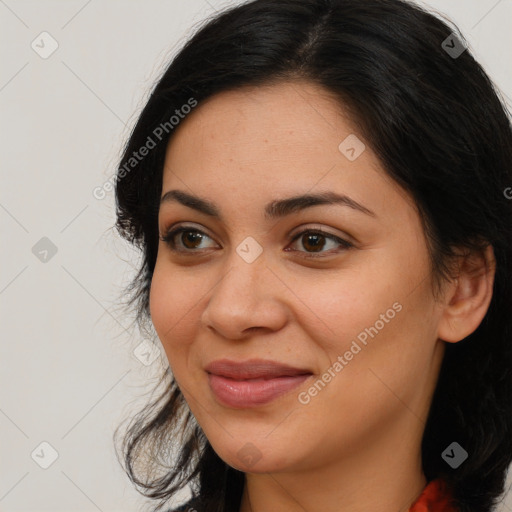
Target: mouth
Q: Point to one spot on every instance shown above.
(253, 382)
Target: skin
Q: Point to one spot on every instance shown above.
(356, 445)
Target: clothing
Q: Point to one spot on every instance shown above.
(435, 497)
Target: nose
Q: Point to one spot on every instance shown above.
(247, 296)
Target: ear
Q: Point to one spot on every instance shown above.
(467, 298)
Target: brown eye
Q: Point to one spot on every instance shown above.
(315, 240)
(189, 240)
(312, 240)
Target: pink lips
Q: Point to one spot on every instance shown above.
(253, 382)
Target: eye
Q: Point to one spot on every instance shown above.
(186, 243)
(313, 240)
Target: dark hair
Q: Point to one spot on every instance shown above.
(441, 131)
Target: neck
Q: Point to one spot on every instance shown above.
(386, 476)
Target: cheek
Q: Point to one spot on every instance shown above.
(340, 307)
(385, 307)
(171, 304)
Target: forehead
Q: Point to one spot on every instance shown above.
(270, 115)
(274, 141)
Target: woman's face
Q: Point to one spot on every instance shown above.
(350, 310)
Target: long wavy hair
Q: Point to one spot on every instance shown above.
(441, 130)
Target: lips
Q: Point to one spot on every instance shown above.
(253, 382)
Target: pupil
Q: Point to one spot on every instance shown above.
(191, 237)
(316, 246)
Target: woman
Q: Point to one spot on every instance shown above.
(318, 188)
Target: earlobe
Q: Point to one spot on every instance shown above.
(468, 297)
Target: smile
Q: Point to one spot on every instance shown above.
(252, 383)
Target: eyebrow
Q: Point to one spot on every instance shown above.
(275, 209)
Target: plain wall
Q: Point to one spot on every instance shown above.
(68, 371)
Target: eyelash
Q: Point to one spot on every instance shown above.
(169, 236)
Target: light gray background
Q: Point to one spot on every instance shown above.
(69, 373)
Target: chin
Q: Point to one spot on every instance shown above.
(254, 457)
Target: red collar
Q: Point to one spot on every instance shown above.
(435, 498)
